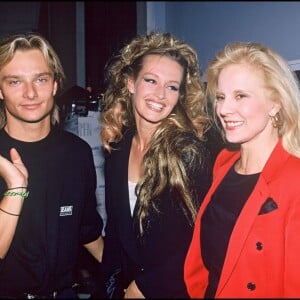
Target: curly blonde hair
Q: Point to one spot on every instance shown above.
(163, 163)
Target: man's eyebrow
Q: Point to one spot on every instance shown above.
(35, 75)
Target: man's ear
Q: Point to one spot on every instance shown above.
(1, 95)
(130, 85)
(55, 88)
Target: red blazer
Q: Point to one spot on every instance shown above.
(263, 255)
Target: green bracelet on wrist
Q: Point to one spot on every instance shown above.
(22, 194)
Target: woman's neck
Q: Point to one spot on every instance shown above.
(254, 156)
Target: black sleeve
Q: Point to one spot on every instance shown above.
(92, 224)
(111, 259)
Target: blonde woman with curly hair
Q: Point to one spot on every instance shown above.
(157, 168)
(246, 237)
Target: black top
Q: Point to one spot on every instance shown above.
(218, 221)
(59, 214)
(156, 261)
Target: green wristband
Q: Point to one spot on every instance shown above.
(22, 194)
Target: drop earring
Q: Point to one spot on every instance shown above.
(276, 120)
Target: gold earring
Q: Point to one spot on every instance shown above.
(276, 120)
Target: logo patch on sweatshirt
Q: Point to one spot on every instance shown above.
(66, 211)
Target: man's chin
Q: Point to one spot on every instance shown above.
(33, 119)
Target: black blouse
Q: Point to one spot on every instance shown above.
(218, 221)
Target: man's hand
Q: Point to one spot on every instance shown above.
(13, 172)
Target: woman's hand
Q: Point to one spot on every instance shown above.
(133, 292)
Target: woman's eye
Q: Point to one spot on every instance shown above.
(219, 98)
(173, 88)
(149, 80)
(240, 96)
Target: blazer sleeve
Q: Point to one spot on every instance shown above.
(111, 259)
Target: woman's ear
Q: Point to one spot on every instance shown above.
(130, 85)
(275, 109)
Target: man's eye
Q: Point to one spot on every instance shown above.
(42, 80)
(13, 82)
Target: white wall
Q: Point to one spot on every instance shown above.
(209, 25)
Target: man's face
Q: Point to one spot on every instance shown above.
(27, 86)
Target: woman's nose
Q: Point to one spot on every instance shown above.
(161, 92)
(225, 106)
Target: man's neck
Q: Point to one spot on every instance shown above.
(28, 132)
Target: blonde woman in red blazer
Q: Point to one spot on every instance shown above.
(246, 240)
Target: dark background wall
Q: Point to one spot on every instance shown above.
(57, 22)
(206, 25)
(108, 25)
(84, 34)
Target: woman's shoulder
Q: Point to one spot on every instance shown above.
(187, 141)
(293, 163)
(214, 141)
(191, 149)
(127, 133)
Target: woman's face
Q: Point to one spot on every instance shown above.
(155, 91)
(243, 104)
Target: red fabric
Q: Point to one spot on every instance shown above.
(273, 270)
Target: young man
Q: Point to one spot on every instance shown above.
(59, 212)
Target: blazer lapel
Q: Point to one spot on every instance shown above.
(125, 221)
